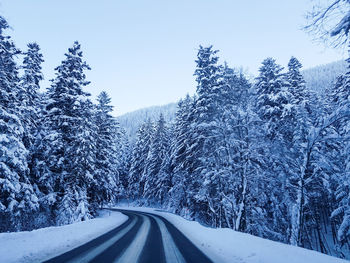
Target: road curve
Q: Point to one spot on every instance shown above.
(143, 238)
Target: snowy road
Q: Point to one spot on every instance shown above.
(144, 237)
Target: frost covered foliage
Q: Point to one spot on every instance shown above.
(60, 154)
(329, 21)
(270, 158)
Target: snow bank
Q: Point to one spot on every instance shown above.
(44, 243)
(226, 245)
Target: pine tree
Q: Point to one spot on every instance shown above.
(107, 147)
(235, 150)
(154, 177)
(273, 98)
(30, 83)
(17, 198)
(180, 191)
(66, 207)
(32, 104)
(69, 138)
(138, 160)
(81, 154)
(340, 98)
(207, 183)
(297, 164)
(124, 158)
(275, 109)
(296, 81)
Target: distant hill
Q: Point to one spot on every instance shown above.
(131, 121)
(317, 78)
(321, 77)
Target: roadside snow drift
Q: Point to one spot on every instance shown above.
(45, 243)
(229, 246)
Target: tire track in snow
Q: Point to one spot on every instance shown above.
(118, 248)
(153, 251)
(91, 254)
(188, 250)
(143, 238)
(134, 250)
(172, 253)
(65, 257)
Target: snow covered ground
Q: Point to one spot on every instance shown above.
(44, 243)
(221, 245)
(226, 245)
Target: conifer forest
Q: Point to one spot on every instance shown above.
(264, 155)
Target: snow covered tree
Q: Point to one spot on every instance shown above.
(69, 140)
(124, 158)
(340, 98)
(297, 163)
(236, 150)
(154, 179)
(138, 160)
(66, 207)
(81, 154)
(32, 103)
(202, 141)
(30, 97)
(17, 197)
(273, 98)
(297, 85)
(330, 21)
(275, 107)
(180, 192)
(342, 195)
(107, 147)
(327, 165)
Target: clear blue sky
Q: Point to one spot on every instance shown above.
(142, 51)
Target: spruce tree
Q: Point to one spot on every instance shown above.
(340, 98)
(17, 197)
(107, 147)
(32, 104)
(30, 83)
(273, 98)
(154, 177)
(300, 123)
(202, 153)
(275, 108)
(81, 154)
(180, 195)
(124, 158)
(69, 139)
(138, 160)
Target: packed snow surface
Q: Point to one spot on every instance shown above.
(45, 243)
(229, 246)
